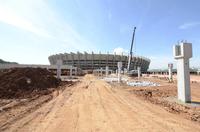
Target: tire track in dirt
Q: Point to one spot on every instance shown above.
(117, 107)
(105, 111)
(155, 114)
(93, 105)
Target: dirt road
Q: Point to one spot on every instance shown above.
(93, 105)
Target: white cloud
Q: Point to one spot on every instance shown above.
(189, 25)
(8, 16)
(120, 51)
(36, 16)
(195, 62)
(160, 62)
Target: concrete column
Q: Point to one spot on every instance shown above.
(170, 67)
(107, 71)
(119, 75)
(119, 64)
(198, 72)
(139, 72)
(101, 72)
(182, 54)
(70, 71)
(183, 75)
(59, 63)
(76, 71)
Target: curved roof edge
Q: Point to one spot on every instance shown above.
(144, 58)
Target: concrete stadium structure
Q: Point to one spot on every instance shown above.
(96, 61)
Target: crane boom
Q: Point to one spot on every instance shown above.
(131, 51)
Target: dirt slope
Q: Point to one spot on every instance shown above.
(93, 105)
(26, 82)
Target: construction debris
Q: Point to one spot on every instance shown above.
(131, 83)
(114, 79)
(142, 84)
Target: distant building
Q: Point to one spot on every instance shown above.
(96, 61)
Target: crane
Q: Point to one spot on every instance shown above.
(131, 51)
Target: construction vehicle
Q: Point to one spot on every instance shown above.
(131, 72)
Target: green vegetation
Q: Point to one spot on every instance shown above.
(6, 62)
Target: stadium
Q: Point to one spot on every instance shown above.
(94, 61)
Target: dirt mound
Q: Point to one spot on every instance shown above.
(26, 82)
(162, 96)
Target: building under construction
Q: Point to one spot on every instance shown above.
(86, 61)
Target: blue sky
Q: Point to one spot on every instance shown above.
(31, 30)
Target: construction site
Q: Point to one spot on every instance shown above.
(100, 92)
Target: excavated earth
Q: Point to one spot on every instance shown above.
(95, 105)
(166, 97)
(24, 90)
(26, 82)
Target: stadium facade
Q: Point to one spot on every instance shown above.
(86, 61)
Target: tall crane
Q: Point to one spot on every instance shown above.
(131, 51)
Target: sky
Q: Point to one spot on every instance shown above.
(32, 30)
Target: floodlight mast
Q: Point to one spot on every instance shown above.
(131, 51)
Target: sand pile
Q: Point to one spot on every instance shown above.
(26, 82)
